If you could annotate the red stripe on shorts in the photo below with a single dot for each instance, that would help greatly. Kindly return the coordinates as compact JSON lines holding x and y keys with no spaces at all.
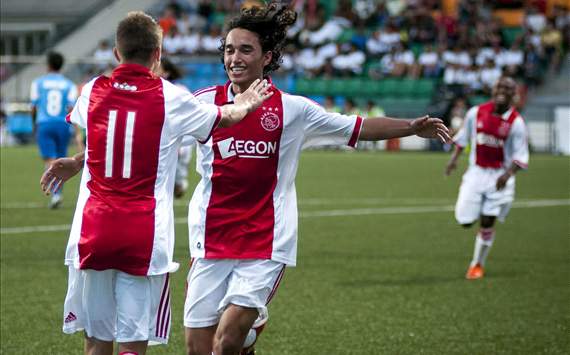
{"x":165,"y":294}
{"x":276,"y":285}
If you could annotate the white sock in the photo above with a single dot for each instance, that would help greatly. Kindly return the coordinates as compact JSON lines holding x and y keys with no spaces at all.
{"x":483,"y":243}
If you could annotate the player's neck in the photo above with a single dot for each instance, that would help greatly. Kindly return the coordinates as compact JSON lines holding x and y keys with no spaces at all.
{"x":501,"y":109}
{"x":239,"y":88}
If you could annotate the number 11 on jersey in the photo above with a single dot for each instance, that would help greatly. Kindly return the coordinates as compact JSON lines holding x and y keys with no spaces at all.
{"x":111,"y":140}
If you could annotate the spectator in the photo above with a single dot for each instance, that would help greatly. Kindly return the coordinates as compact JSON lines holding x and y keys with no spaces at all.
{"x":211,"y":41}
{"x":403,"y":61}
{"x":535,"y":20}
{"x":513,"y":60}
{"x":328,"y":51}
{"x":457,"y":56}
{"x":103,"y":55}
{"x":329,"y":31}
{"x":452,"y":74}
{"x":532,"y":65}
{"x":471,"y":78}
{"x":168,"y":19}
{"x":387,"y":63}
{"x":552,"y":45}
{"x":309,"y":62}
{"x":490,"y":73}
{"x":429,"y":62}
{"x":191,"y":41}
{"x":376,"y":46}
{"x":172,"y":43}
{"x":349,"y":61}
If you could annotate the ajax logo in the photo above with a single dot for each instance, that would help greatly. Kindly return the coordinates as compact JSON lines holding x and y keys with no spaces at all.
{"x":269,"y":121}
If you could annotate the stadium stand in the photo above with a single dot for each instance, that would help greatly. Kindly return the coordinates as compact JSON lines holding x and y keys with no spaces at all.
{"x":409,"y":57}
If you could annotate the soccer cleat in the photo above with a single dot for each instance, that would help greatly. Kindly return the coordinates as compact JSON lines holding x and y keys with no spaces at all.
{"x":474,"y":272}
{"x":55,"y":202}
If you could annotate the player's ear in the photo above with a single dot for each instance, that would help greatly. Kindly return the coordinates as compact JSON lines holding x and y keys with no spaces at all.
{"x":156,"y":56}
{"x":116,"y":54}
{"x":267,"y":57}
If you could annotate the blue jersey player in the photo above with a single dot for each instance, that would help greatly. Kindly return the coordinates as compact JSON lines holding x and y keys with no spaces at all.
{"x":52,"y":95}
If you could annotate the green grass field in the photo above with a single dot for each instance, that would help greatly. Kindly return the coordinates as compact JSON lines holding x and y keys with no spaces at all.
{"x":380,"y":263}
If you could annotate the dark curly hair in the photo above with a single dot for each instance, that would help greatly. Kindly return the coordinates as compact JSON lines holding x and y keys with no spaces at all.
{"x":270,"y":23}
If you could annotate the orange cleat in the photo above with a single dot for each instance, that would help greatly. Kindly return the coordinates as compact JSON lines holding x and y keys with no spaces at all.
{"x":474,"y":272}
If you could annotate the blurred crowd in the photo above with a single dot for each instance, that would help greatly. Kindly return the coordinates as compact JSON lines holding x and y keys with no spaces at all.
{"x":391,"y":38}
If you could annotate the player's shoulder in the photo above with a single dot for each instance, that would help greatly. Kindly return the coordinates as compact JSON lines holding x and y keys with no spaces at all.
{"x":518,"y":121}
{"x":299,"y":102}
{"x":207,"y":94}
{"x":472,"y":112}
{"x":88,"y":86}
{"x":173,"y":91}
{"x":39,"y":79}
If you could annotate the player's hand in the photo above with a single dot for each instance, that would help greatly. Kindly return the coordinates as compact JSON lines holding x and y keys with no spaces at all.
{"x":431,"y":127}
{"x":502,"y":181}
{"x":59,"y":171}
{"x":450,"y":167}
{"x":254,"y":96}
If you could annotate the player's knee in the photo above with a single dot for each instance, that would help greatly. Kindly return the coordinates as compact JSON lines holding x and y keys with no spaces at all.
{"x":466,"y":225}
{"x":487,"y":221}
{"x":227,"y":343}
{"x":195,"y":348}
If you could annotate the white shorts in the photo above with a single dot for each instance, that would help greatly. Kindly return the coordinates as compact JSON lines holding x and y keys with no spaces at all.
{"x":111,"y":305}
{"x":213,"y":284}
{"x":478,"y":195}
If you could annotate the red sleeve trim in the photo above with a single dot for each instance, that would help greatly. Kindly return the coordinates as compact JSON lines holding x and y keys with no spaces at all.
{"x":521,"y":164}
{"x":68,"y":118}
{"x":356,"y":133}
{"x":216,"y":123}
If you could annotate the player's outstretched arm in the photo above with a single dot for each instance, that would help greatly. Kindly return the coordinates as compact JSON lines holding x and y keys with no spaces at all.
{"x":378,"y":128}
{"x":78,"y":137}
{"x":59,"y":171}
{"x":452,"y":164}
{"x":245,"y":103}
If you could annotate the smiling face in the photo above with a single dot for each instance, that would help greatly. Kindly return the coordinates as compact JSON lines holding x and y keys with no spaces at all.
{"x":244,"y":59}
{"x":503,"y":94}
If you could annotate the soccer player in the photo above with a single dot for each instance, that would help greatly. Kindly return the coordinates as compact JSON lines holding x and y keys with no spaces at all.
{"x":52,"y":96}
{"x":499,"y":149}
{"x":120,"y":250}
{"x":243,"y":214}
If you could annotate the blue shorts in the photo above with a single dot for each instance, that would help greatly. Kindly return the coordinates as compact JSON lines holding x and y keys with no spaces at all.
{"x":53,"y":139}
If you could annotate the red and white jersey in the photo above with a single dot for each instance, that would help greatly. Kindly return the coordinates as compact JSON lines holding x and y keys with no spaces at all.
{"x":245,"y":206}
{"x":124,"y":217}
{"x":497,"y":141}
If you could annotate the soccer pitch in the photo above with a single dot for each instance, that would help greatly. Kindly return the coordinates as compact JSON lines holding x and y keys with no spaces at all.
{"x":380,"y":262}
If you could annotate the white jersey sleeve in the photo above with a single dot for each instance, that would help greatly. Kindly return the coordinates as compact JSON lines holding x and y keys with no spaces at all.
{"x":466,"y":132}
{"x":516,"y":146}
{"x":78,"y":115}
{"x":206,"y":96}
{"x":328,"y":128}
{"x":188,"y":115}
